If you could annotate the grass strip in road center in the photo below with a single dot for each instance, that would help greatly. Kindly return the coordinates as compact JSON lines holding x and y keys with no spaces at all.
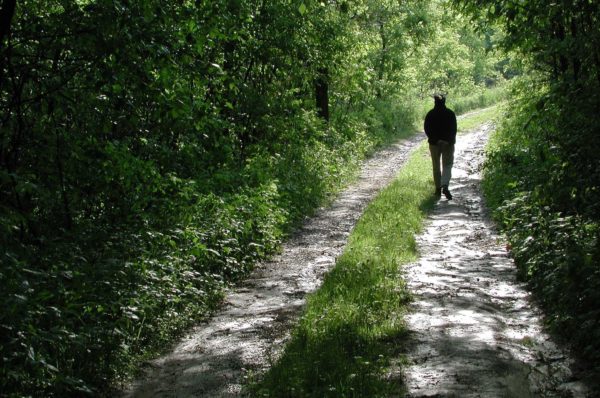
{"x":353,"y":324}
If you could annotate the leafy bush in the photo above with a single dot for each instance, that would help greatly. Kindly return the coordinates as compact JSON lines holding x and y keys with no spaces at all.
{"x":480,"y":99}
{"x":541,"y":177}
{"x":125,"y":290}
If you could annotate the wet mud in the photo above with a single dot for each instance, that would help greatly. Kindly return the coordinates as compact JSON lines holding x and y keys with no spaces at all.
{"x":475,"y":331}
{"x":249,"y":333}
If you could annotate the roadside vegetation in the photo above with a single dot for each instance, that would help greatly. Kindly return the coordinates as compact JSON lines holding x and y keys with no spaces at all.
{"x":152,"y":152}
{"x":472,"y":120}
{"x":474,"y":101}
{"x":353,"y":324}
{"x":542,"y":174}
{"x":541,"y":179}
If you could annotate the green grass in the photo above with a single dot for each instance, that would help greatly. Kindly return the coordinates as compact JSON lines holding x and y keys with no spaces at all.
{"x":475,"y":119}
{"x":353,"y":325}
{"x":479,"y":99}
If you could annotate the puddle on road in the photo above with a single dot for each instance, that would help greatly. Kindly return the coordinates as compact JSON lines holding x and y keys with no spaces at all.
{"x":474,"y":329}
{"x":250,"y":331}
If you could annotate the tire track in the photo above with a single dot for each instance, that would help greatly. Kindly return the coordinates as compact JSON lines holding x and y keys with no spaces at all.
{"x":475,"y":331}
{"x":250,"y":331}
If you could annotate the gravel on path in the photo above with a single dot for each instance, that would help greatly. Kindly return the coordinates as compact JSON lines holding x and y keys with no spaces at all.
{"x":250,"y":331}
{"x":475,"y":331}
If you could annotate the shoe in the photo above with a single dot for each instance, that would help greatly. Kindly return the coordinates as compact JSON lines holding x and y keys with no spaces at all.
{"x":438,"y":192}
{"x":446,"y":192}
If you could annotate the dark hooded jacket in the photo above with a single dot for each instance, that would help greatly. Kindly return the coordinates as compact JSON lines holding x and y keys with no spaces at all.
{"x":440,"y":123}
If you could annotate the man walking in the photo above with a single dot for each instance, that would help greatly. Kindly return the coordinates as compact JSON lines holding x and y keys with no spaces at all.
{"x":440,"y":128}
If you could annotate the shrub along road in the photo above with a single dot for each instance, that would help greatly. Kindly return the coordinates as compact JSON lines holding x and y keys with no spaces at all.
{"x":474,"y":330}
{"x":257,"y":317}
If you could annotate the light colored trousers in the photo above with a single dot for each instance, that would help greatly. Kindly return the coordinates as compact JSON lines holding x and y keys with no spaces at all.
{"x":443,"y":151}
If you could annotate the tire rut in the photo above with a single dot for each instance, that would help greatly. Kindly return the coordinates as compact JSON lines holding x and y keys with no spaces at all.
{"x":475,"y":332}
{"x":250,"y":330}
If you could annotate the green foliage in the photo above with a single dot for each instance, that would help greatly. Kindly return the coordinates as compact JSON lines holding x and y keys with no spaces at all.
{"x":353,"y":323}
{"x":543,"y":173}
{"x":102,"y":305}
{"x":541,"y":176}
{"x":457,"y":61}
{"x":558,"y":39}
{"x":477,"y":118}
{"x":152,"y":152}
{"x":478,"y":99}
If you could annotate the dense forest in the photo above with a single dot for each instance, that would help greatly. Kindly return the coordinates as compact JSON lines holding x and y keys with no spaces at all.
{"x":151,"y":153}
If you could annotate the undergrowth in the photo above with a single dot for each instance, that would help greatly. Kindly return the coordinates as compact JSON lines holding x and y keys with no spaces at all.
{"x":479,"y":99}
{"x":482,"y":98}
{"x":472,"y":120}
{"x":542,"y":178}
{"x":84,"y":306}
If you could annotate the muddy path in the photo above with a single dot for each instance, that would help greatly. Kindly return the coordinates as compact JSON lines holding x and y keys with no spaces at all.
{"x":254,"y":323}
{"x":474,"y":329}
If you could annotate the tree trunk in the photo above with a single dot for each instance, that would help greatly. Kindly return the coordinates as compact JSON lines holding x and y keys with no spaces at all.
{"x":322,"y":93}
{"x":6,"y":13}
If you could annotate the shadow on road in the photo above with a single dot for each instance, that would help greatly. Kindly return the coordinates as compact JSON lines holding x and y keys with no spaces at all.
{"x":474,"y":330}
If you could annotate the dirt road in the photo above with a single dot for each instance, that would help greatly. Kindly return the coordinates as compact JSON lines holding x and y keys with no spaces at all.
{"x":475,"y":330}
{"x":250,"y":331}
